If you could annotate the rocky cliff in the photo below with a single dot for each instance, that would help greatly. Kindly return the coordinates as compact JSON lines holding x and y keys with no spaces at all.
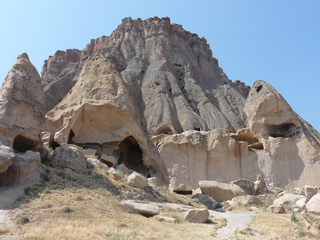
{"x":152,"y":97}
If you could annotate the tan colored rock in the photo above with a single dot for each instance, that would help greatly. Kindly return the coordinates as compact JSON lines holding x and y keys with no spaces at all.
{"x":122,"y":168}
{"x":248,"y":200}
{"x":137,"y":180}
{"x":21,"y":115}
{"x":197,"y":215}
{"x":220,"y":191}
{"x":164,"y":218}
{"x":287,"y":198}
{"x":312,"y":223}
{"x":246,"y":185}
{"x":114,"y":175}
{"x":89,"y":152}
{"x":145,"y":209}
{"x":314,"y":204}
{"x":69,"y":156}
{"x":300,"y":204}
{"x":310,"y":191}
{"x":298,"y":191}
{"x":24,"y":165}
{"x":109,"y":160}
{"x":260,"y":185}
{"x":277,"y":209}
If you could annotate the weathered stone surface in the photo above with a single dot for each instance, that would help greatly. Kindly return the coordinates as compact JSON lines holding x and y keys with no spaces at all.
{"x":287,"y":198}
{"x":310,"y":191}
{"x":277,"y":209}
{"x":122,"y":168}
{"x":205,"y":200}
{"x":21,"y":113}
{"x":152,"y":181}
{"x":313,"y":223}
{"x":248,"y":200}
{"x":300,"y":204}
{"x":314,"y":204}
{"x":114,"y":175}
{"x":109,"y":160}
{"x":69,"y":156}
{"x":260,"y":185}
{"x":298,"y":191}
{"x":246,"y":185}
{"x":220,"y":191}
{"x":164,"y":218}
{"x":145,"y":209}
{"x":197,"y":215}
{"x":137,"y":180}
{"x":24,"y":164}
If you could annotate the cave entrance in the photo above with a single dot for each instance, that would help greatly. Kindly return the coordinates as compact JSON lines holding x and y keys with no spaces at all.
{"x":71,"y":135}
{"x":23,"y":144}
{"x":131,"y":155}
{"x":285,"y":130}
{"x":183,"y":192}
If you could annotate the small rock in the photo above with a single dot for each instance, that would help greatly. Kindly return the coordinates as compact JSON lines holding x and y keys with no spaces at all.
{"x":248,"y":199}
{"x":287,"y":198}
{"x":145,"y":209}
{"x":246,"y":230}
{"x":110,"y":161}
{"x":205,"y":200}
{"x":164,"y":218}
{"x":298,"y":191}
{"x":254,"y":209}
{"x":137,"y":180}
{"x":277,"y":209}
{"x":114,"y":175}
{"x":122,"y":168}
{"x":310,"y":191}
{"x":197,"y":215}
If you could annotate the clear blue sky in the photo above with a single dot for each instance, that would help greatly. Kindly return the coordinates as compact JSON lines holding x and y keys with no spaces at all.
{"x":276,"y":41}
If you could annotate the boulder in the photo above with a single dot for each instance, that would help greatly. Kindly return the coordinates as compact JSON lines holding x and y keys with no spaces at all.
{"x":220,"y":191}
{"x":145,"y":209}
{"x":287,"y":198}
{"x":122,"y":168}
{"x":246,"y":185}
{"x":277,"y":209}
{"x":205,"y":200}
{"x":248,"y":200}
{"x":260,"y":185}
{"x":197,"y":215}
{"x":246,"y":230}
{"x":300,"y":204}
{"x":69,"y":156}
{"x":312,"y":223}
{"x":298,"y":191}
{"x":310,"y":191}
{"x":137,"y":180}
{"x":114,"y":174}
{"x":23,"y":165}
{"x":314,"y":204}
{"x":109,"y":160}
{"x":89,"y":152}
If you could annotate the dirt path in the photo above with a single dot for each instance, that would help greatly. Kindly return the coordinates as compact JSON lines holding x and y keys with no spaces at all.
{"x":234,"y":221}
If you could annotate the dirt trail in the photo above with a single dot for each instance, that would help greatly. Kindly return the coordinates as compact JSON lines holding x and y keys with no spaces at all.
{"x":234,"y":221}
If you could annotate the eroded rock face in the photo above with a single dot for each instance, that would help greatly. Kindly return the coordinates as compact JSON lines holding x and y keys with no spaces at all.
{"x":21,"y":114}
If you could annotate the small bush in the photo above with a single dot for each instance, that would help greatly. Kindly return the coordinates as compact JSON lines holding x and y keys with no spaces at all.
{"x":67,"y":209}
{"x":27,"y":190}
{"x":23,"y":220}
{"x":130,"y":209}
{"x":79,"y":198}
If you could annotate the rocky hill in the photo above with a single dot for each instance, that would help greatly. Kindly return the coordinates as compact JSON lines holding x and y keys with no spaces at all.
{"x":152,"y":97}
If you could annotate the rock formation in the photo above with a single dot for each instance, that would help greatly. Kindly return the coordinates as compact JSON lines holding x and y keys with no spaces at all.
{"x":152,"y":97}
{"x":21,"y":121}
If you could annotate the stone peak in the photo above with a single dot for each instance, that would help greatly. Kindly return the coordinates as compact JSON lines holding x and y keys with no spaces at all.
{"x":23,"y":56}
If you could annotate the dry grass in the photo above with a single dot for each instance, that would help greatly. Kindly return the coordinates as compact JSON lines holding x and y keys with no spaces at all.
{"x":96,"y":211}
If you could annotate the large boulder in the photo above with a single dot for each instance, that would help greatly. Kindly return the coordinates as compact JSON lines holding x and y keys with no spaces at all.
{"x":312,"y":215}
{"x":246,"y":185}
{"x":248,"y":200}
{"x":21,"y":114}
{"x":205,"y":200}
{"x":310,"y":191}
{"x":69,"y":156}
{"x":197,"y":215}
{"x":287,"y":198}
{"x":220,"y":191}
{"x":24,"y":165}
{"x":137,"y":180}
{"x":145,"y":209}
{"x":314,"y":204}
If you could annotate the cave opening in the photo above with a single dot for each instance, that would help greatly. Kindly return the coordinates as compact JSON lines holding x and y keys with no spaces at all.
{"x":23,"y":144}
{"x":285,"y":130}
{"x":164,"y":130}
{"x":183,"y":192}
{"x":131,"y":156}
{"x":71,"y":135}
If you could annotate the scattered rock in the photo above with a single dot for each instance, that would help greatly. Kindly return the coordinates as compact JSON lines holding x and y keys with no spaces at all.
{"x":232,"y":203}
{"x":314,"y":204}
{"x":220,"y":191}
{"x":122,"y":168}
{"x":69,"y":156}
{"x":287,"y":198}
{"x":137,"y":180}
{"x":310,"y":191}
{"x":108,"y":160}
{"x":89,"y":152}
{"x":114,"y":175}
{"x":253,"y":209}
{"x":153,"y":181}
{"x":298,"y":191}
{"x":197,"y":215}
{"x":277,"y":209}
{"x":260,"y":185}
{"x":300,"y":204}
{"x":246,"y":231}
{"x":246,"y":185}
{"x":145,"y":209}
{"x":205,"y":200}
{"x":164,"y":218}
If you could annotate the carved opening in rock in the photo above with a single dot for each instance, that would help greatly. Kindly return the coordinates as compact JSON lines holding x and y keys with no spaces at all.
{"x":257,"y":145}
{"x":183,"y":192}
{"x":23,"y":144}
{"x":259,"y":88}
{"x":245,"y":138}
{"x":131,"y":155}
{"x":71,"y":135}
{"x":54,"y":144}
{"x":285,"y":130}
{"x":196,"y":127}
{"x":164,"y":130}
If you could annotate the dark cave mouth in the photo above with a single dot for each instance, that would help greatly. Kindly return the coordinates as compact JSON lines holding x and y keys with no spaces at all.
{"x":285,"y":130}
{"x":23,"y":144}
